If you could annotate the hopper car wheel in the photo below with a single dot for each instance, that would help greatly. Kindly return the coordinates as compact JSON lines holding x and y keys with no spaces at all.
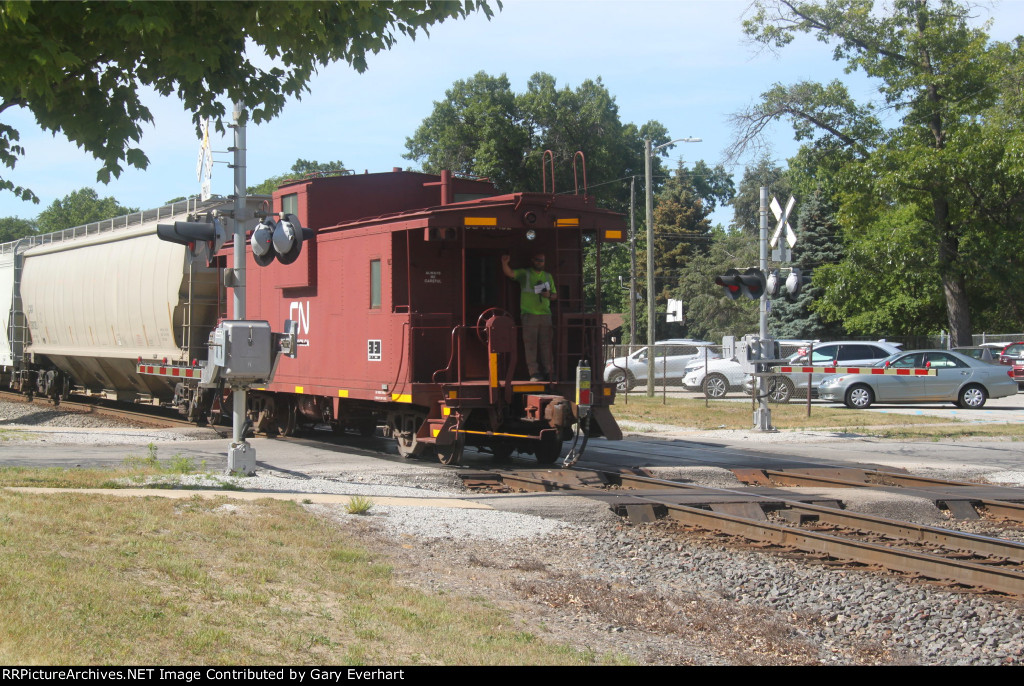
{"x":548,"y":449}
{"x":451,"y":454}
{"x":486,"y":316}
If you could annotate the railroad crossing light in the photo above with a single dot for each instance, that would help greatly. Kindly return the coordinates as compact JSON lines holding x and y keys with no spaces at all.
{"x":191,"y":232}
{"x":752,"y":283}
{"x":730,"y":281}
{"x":772,"y":283}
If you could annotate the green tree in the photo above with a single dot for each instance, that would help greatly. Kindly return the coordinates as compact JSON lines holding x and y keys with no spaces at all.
{"x":939,"y":181}
{"x":78,"y":66}
{"x":13,"y":228}
{"x":747,"y":202}
{"x":484,"y":129}
{"x":80,"y":207}
{"x":710,"y":314}
{"x":301,"y":168}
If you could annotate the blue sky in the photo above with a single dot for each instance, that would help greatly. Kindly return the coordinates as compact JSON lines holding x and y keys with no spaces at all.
{"x":684,"y":63}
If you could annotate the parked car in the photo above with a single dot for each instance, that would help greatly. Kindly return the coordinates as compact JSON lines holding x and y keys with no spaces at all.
{"x":782,"y":387}
{"x":670,"y":359}
{"x":716,"y":380}
{"x":959,"y":379}
{"x":1017,"y":372}
{"x":1012,"y":353}
{"x":981,"y":353}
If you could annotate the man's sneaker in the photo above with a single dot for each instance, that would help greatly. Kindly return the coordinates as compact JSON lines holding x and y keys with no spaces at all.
{"x":537,"y":377}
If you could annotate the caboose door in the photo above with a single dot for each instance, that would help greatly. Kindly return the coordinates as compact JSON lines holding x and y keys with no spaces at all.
{"x":485,"y":288}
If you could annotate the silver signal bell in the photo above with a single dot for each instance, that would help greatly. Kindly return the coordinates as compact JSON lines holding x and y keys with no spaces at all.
{"x":262,"y":242}
{"x":288,"y":239}
{"x":282,"y":239}
{"x":793,"y":282}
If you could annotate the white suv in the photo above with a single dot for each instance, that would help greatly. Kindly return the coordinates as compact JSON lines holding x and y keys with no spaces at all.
{"x":670,"y":358}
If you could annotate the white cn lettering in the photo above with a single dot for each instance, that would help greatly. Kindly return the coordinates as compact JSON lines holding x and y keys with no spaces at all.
{"x":302,"y":318}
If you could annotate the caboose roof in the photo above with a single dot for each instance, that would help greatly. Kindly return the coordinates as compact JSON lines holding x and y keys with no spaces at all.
{"x":513,"y":209}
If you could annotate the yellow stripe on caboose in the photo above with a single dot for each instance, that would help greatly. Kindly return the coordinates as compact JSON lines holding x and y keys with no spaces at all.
{"x":494,"y":369}
{"x":567,"y":222}
{"x":480,"y":221}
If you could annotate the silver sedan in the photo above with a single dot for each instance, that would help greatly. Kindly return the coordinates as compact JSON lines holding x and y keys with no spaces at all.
{"x":957,"y":378}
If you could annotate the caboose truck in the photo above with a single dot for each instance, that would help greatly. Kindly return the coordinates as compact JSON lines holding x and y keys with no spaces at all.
{"x":405,"y":316}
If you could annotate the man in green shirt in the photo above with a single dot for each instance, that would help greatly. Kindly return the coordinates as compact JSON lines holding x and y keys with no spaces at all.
{"x":537,"y":290}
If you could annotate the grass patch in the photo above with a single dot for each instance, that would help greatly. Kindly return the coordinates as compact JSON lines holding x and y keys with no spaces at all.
{"x":104,"y":580}
{"x":1013,"y":432}
{"x":136,"y":471}
{"x":690,"y":413}
{"x":358,"y":505}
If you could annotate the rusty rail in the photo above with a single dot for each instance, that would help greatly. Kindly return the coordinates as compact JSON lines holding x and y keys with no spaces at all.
{"x":1001,"y":567}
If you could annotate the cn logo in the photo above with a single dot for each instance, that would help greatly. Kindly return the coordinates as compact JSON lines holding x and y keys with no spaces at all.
{"x":298,"y":313}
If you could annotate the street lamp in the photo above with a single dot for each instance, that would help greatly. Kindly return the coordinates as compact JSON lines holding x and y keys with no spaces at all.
{"x":648,"y":151}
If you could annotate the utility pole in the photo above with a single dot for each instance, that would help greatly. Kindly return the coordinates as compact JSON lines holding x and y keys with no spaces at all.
{"x":241,"y":455}
{"x":632,"y":262}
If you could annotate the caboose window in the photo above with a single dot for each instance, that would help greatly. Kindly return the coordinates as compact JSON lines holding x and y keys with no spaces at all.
{"x":374,"y":284}
{"x":290,"y":204}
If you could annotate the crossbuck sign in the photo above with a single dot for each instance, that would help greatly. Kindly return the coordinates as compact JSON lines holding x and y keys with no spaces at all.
{"x":780,"y":253}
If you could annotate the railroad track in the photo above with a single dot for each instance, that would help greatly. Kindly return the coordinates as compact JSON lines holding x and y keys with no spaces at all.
{"x":101,"y":407}
{"x":811,"y":524}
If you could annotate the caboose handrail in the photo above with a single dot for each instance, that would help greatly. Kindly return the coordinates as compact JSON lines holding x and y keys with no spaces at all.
{"x":451,"y":356}
{"x":543,"y":172}
{"x":583,"y":159}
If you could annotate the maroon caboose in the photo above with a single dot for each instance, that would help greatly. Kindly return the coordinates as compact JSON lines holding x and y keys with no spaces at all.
{"x":406,"y":318}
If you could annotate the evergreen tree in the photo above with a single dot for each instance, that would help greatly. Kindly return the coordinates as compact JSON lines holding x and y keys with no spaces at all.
{"x":682,"y":230}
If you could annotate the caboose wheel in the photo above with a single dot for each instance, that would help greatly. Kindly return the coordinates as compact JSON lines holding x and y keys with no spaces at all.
{"x":367,"y":427}
{"x":286,"y":419}
{"x":404,"y":427}
{"x":486,"y":316}
{"x":502,"y":451}
{"x":548,"y":449}
{"x":450,"y":454}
